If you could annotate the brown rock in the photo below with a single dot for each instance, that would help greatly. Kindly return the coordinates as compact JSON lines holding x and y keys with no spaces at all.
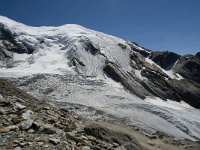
{"x":13,"y":128}
{"x":15,"y":141}
{"x":85,"y":148}
{"x":1,"y":111}
{"x":4,"y":130}
{"x":17,"y":119}
{"x":12,"y":146}
{"x":47,"y":129}
{"x":9,"y":111}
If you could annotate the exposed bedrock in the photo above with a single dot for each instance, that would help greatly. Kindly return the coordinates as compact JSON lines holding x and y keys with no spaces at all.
{"x":189,"y":67}
{"x":126,"y":79}
{"x":166,"y":60}
{"x":8,"y":41}
{"x":156,"y":83}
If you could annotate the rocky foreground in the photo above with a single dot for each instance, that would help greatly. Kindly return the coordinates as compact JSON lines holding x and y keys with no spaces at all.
{"x":26,"y":123}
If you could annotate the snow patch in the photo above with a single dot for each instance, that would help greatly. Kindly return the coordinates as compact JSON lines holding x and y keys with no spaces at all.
{"x":113,"y":83}
{"x":169,"y":103}
{"x":138,"y":74}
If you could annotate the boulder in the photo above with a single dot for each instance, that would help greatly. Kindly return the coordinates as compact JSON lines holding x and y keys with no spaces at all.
{"x":47,"y":129}
{"x":19,"y":107}
{"x":26,"y":124}
{"x":54,"y":141}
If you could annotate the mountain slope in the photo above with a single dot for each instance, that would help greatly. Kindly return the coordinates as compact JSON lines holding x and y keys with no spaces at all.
{"x":74,"y":67}
{"x":31,"y":124}
{"x":26,"y":123}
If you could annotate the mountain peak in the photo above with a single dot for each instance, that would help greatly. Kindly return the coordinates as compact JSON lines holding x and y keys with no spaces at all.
{"x":72,"y":64}
{"x":60,"y":43}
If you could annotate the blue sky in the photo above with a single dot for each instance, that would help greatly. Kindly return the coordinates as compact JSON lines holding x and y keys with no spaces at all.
{"x":155,"y":24}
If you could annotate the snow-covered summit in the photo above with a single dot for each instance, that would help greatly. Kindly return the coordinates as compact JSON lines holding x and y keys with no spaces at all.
{"x":20,"y":28}
{"x":55,"y":47}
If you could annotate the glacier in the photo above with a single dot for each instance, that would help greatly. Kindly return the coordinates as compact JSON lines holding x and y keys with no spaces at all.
{"x":48,"y":74}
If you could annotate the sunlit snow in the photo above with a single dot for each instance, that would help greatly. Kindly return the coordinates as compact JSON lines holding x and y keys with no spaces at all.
{"x":54,"y":47}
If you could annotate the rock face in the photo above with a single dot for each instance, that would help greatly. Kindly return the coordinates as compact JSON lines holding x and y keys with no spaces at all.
{"x":189,"y":67}
{"x":9,"y":45}
{"x":166,"y":60}
{"x":125,"y":78}
{"x":159,"y":83}
{"x":8,"y":42}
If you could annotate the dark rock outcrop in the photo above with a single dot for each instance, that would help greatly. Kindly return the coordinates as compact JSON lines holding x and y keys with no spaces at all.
{"x":156,"y":82}
{"x":164,"y":59}
{"x":145,"y":52}
{"x":122,"y":45}
{"x":125,"y":78}
{"x":189,"y":67}
{"x":159,"y":86}
{"x":89,"y":47}
{"x":198,"y":54}
{"x":9,"y":46}
{"x":9,"y":43}
{"x":188,"y":91}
